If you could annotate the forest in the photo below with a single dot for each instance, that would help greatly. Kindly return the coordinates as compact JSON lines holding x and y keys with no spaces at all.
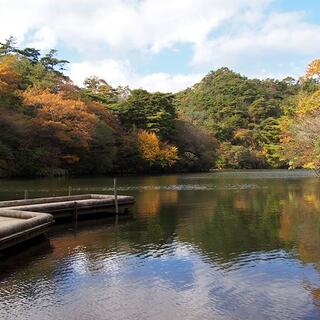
{"x":51,"y":127}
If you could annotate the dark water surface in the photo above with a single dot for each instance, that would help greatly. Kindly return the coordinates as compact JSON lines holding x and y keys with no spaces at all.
{"x":229,"y":245}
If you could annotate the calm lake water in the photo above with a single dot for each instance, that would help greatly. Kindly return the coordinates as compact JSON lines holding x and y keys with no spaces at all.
{"x":227,"y":245}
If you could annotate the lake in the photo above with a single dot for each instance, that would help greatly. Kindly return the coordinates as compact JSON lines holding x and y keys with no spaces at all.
{"x":222,"y":245}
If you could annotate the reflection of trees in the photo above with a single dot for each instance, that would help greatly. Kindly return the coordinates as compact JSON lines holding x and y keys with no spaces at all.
{"x":22,"y":256}
{"x":232,"y":222}
{"x":239,"y":223}
{"x":300,"y":221}
{"x":300,"y":224}
{"x":150,"y":201}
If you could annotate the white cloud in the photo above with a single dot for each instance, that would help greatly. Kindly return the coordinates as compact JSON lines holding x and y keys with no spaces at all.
{"x":113,"y":71}
{"x":275,"y":35}
{"x":242,"y":34}
{"x":43,"y":39}
{"x":117,"y":73}
{"x":119,"y":24}
{"x":169,"y":83}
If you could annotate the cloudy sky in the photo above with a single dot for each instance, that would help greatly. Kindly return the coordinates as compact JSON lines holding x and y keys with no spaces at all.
{"x":168,"y":45}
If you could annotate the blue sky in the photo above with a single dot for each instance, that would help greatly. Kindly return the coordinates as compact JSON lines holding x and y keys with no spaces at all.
{"x":168,"y":45}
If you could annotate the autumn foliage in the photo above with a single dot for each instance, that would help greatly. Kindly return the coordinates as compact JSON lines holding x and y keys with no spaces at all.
{"x":51,"y":127}
{"x":301,"y":130}
{"x":68,"y":120}
{"x":313,"y":69}
{"x":155,"y":153}
{"x":9,"y":78}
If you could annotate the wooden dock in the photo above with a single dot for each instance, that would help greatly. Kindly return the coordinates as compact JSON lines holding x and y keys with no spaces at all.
{"x":21,"y":220}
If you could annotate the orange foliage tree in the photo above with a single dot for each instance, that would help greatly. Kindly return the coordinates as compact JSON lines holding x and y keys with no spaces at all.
{"x":65,"y":122}
{"x":9,"y":78}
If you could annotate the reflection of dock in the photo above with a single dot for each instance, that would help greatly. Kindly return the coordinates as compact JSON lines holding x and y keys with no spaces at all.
{"x":21,"y":220}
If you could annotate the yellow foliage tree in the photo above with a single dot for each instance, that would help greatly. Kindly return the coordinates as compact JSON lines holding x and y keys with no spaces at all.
{"x":154,"y":152}
{"x":313,"y":69}
{"x":301,"y":132}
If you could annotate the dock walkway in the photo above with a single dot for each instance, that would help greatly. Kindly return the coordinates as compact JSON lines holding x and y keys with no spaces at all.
{"x":21,"y":220}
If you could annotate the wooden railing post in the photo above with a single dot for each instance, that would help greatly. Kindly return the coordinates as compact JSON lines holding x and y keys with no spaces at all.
{"x":75,"y":212}
{"x":115,"y":195}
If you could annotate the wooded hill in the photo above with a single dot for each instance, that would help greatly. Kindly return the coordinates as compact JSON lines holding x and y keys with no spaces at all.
{"x":49,"y":126}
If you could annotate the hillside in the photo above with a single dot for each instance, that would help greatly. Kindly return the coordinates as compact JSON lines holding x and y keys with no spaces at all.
{"x":49,"y":126}
{"x":243,"y":114}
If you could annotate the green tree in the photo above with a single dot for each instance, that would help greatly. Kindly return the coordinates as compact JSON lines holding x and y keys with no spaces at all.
{"x":239,"y":112}
{"x":154,"y":112}
{"x":52,"y":63}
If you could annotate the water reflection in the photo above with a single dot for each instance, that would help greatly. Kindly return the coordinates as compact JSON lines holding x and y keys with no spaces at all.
{"x":236,"y":245}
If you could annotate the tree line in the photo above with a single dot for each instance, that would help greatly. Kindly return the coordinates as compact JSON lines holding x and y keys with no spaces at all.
{"x":49,"y":126}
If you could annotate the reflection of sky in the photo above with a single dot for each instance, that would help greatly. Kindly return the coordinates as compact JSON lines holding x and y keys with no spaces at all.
{"x":180,"y":283}
{"x":265,"y":289}
{"x":175,"y":272}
